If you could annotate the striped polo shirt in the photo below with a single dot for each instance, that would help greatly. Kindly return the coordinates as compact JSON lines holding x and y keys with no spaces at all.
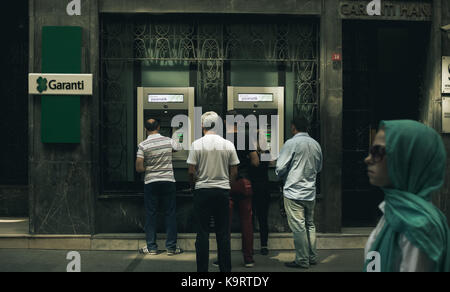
{"x":157,"y":154}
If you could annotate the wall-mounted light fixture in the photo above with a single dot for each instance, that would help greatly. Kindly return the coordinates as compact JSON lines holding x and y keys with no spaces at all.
{"x":446,"y":28}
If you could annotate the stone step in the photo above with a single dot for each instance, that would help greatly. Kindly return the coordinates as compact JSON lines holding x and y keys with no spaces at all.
{"x":129,"y":242}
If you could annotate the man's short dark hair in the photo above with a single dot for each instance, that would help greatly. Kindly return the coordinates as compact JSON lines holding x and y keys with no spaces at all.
{"x":151,"y":125}
{"x":301,"y":124}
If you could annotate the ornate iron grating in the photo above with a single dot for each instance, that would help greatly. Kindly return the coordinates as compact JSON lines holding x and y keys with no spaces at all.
{"x":208,"y":44}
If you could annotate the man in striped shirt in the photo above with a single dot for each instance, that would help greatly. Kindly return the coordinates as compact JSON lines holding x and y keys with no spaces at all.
{"x":154,"y":157}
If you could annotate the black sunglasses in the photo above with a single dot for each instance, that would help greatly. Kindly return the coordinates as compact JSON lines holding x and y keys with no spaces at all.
{"x":378,"y":152}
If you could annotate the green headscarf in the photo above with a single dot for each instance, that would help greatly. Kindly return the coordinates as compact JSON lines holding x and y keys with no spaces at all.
{"x":416,"y":161}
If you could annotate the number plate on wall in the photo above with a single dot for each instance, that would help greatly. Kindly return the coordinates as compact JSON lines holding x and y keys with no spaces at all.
{"x":445,"y":74}
{"x":446,"y":114}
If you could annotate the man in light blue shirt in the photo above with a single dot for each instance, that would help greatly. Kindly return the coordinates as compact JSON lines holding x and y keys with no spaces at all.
{"x":299,"y":163}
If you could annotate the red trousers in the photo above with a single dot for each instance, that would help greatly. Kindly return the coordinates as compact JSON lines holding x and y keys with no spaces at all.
{"x":244,"y":203}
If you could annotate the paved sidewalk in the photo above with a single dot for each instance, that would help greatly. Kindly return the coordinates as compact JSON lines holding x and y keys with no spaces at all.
{"x":12,"y":260}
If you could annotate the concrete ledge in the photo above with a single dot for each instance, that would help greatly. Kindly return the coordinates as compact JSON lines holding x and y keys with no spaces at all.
{"x":72,"y":243}
{"x":131,"y":242}
{"x":14,"y":243}
{"x":115,"y":244}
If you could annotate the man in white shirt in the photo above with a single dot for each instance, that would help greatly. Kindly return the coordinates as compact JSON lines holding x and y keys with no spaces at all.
{"x":154,"y":157}
{"x":213,"y":165}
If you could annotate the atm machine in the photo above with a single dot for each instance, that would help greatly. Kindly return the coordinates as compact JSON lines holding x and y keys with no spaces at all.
{"x":171,"y":106}
{"x":259,"y":101}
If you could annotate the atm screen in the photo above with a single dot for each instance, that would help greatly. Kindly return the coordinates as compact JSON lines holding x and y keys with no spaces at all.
{"x":256,"y":97}
{"x":165,"y":98}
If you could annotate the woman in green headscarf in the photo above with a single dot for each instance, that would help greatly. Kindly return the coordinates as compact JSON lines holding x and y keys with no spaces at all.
{"x":407,"y":160}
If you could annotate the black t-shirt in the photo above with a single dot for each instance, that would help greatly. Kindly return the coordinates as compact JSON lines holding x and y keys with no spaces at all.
{"x":244,"y":156}
{"x":260,"y":173}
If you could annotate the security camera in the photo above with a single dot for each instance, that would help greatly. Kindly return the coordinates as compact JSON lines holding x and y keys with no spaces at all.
{"x":446,"y":28}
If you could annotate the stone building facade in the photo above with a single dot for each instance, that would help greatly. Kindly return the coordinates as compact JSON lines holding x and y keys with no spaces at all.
{"x":342,"y":68}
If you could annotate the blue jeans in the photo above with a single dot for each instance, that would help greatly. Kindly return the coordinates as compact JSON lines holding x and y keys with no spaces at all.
{"x":153,"y":193}
{"x":300,"y":215}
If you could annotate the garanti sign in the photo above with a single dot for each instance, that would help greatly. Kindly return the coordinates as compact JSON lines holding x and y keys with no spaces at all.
{"x":60,"y":84}
{"x":387,"y":10}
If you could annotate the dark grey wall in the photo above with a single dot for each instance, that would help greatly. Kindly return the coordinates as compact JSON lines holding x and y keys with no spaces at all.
{"x":431,"y":105}
{"x":61,"y":181}
{"x":444,"y":198}
{"x":303,"y":7}
{"x":13,"y":201}
{"x":126,"y":215}
{"x":331,"y":117}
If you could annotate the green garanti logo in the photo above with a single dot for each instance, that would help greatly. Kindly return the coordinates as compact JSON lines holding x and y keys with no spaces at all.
{"x":42,"y":84}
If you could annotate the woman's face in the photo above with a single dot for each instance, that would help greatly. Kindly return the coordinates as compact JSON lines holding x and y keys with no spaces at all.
{"x":377,"y":169}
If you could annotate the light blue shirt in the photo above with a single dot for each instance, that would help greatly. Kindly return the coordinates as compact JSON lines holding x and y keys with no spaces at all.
{"x":299,"y":163}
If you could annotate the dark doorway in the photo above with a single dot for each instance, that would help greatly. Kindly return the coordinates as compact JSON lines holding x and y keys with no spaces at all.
{"x":383,"y":67}
{"x":14,"y":115}
{"x":14,"y":84}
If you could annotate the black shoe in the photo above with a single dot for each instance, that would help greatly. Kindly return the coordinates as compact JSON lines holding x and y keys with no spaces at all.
{"x":295,"y":265}
{"x":216,"y":263}
{"x":264,"y":251}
